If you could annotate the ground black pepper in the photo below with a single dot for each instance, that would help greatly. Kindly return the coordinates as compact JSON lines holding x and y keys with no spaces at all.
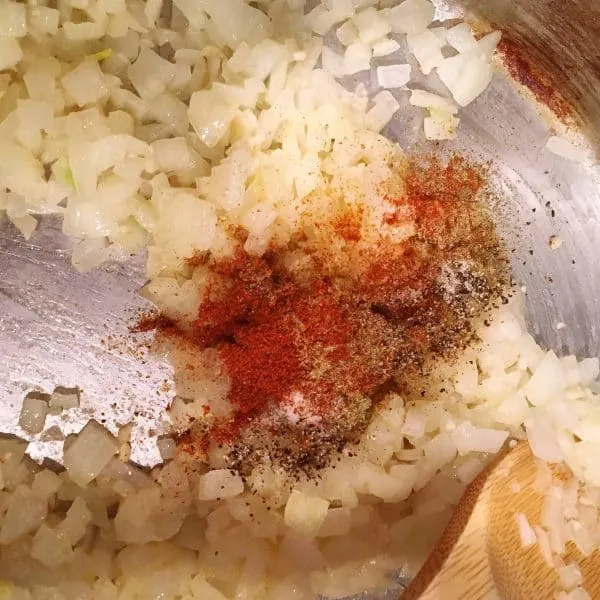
{"x":311,"y":354}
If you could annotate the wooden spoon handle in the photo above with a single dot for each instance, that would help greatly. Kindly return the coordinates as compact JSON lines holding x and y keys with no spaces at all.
{"x":458,"y":567}
{"x":480,"y":555}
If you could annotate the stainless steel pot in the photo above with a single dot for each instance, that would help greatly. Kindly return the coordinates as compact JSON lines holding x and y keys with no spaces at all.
{"x":60,"y":327}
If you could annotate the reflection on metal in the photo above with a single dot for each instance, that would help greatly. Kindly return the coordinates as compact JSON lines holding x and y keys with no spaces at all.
{"x":63,"y":328}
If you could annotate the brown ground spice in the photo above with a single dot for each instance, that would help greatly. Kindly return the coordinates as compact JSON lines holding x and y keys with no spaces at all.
{"x":347,"y":329}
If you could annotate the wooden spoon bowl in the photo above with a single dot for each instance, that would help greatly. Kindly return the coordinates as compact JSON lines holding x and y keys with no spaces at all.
{"x":480,"y":554}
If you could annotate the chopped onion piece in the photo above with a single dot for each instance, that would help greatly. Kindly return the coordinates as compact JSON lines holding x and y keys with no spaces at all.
{"x":322,"y":20}
{"x":393,"y":76}
{"x":384,"y":108}
{"x":25,"y":512}
{"x":210,"y":116}
{"x":468,"y":470}
{"x":50,"y":547}
{"x":360,"y":4}
{"x":333,"y":63}
{"x":442,"y":126}
{"x":172,"y":154}
{"x":461,"y":38}
{"x":152,"y":11}
{"x":543,"y":540}
{"x":439,"y":451}
{"x":469,"y":438}
{"x":44,"y":19}
{"x":81,"y":32}
{"x":357,"y":58}
{"x":235,"y":21}
{"x":414,"y":424}
{"x":427,"y":49}
{"x":91,"y":451}
{"x":150,"y":74}
{"x":488,"y":43}
{"x":526,"y":532}
{"x":74,"y":525}
{"x":167,"y":448}
{"x":466,"y":75}
{"x":547,"y":381}
{"x":371,"y":26}
{"x":305,"y":514}
{"x":220,"y":483}
{"x":259,"y":218}
{"x":570,"y":576}
{"x":337,"y":522}
{"x":33,"y":414}
{"x":202,"y":589}
{"x":433,"y":102}
{"x":385,"y":47}
{"x":45,"y":485}
{"x":65,"y":398}
{"x":411,"y":16}
{"x":347,"y":33}
{"x":86,"y":83}
{"x":10,"y":53}
{"x":25,"y":224}
{"x":193,"y":12}
{"x":543,"y":440}
{"x":13,"y":23}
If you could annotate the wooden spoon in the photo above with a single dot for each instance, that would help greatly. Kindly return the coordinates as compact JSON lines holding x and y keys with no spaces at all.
{"x":480,"y":555}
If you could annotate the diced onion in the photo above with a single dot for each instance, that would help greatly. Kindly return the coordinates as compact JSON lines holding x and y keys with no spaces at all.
{"x":526,"y":532}
{"x":371,"y":26}
{"x":427,"y":49}
{"x":347,"y":33}
{"x":220,"y":483}
{"x":414,"y":424}
{"x":385,"y":47}
{"x":461,"y":38}
{"x":411,"y":16}
{"x":65,"y":398}
{"x":357,"y":58}
{"x":475,"y":439}
{"x":488,"y":43}
{"x":433,"y":102}
{"x":44,"y":19}
{"x":14,"y":20}
{"x":440,"y":127}
{"x":333,"y":63}
{"x":465,"y":75}
{"x":384,"y":108}
{"x":393,"y":76}
{"x":10,"y":53}
{"x":171,"y":154}
{"x":33,"y":414}
{"x":93,"y":449}
{"x":305,"y":514}
{"x":570,"y":576}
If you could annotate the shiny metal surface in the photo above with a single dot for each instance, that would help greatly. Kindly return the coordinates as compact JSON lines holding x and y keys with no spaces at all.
{"x":559,"y":44}
{"x":60,"y":327}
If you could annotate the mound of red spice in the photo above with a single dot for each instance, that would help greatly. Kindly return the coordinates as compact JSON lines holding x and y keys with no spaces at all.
{"x":310,"y":353}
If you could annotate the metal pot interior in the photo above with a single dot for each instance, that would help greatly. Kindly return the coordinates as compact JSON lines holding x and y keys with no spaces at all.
{"x":63,"y":327}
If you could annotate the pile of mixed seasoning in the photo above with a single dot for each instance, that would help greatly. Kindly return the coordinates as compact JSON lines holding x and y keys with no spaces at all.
{"x":315,"y":333}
